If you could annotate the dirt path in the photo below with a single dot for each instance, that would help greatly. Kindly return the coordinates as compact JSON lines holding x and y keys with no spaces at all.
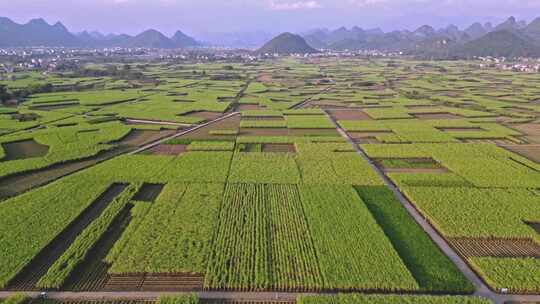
{"x":482,"y":289}
{"x":308,"y":100}
{"x":214,"y":295}
{"x":159,"y":142}
{"x":157,"y":122}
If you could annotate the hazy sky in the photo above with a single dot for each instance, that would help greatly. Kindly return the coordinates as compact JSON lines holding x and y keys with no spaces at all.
{"x":199,"y":16}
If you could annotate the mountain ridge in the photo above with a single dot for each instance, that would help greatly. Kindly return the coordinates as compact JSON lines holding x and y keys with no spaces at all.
{"x":37,"y":32}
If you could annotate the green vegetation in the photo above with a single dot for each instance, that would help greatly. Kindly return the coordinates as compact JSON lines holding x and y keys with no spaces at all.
{"x":519,"y":275}
{"x":274,"y":198}
{"x":178,"y":299}
{"x":430,"y":267}
{"x":382,"y":299}
{"x":78,"y":251}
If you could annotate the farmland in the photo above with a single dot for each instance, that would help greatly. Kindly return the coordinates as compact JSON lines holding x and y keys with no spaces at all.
{"x":288,"y":175}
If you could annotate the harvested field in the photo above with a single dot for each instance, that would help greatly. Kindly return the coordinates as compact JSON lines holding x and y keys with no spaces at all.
{"x":504,"y":248}
{"x":168,"y":149}
{"x":206,"y":115}
{"x":435,"y":116}
{"x":148,"y":192}
{"x":249,"y":107}
{"x":531,"y":152}
{"x":278,"y":148}
{"x":155,"y":282}
{"x":349,"y":115}
{"x":24,"y":149}
{"x":264,"y":132}
{"x":367,"y":137}
{"x":33,"y":271}
{"x":528,"y":129}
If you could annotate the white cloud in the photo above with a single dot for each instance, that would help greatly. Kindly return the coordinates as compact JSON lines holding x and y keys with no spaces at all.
{"x":293,"y":5}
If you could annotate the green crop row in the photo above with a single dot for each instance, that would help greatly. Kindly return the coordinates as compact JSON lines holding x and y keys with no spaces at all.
{"x":389,"y":299}
{"x":353,"y":251}
{"x":433,"y":271}
{"x":262,"y":228}
{"x":211,"y":146}
{"x":78,"y":251}
{"x":29,"y":224}
{"x":263,"y":124}
{"x":473,"y":212}
{"x":308,"y":122}
{"x":173,"y":235}
{"x":517,"y":275}
{"x":179,"y":299}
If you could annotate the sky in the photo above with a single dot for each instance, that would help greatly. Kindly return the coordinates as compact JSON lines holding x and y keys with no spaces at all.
{"x":271,"y":16}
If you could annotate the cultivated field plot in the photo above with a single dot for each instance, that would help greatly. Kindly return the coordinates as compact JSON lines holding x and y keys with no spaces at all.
{"x":257,"y":183}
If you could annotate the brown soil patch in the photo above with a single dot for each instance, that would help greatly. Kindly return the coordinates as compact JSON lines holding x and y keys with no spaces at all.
{"x":279,"y":148}
{"x":24,"y":149}
{"x":249,"y":107}
{"x":264,"y":132}
{"x":531,"y":152}
{"x":496,"y":247}
{"x":435,"y":116}
{"x":349,"y":115}
{"x":528,"y":129}
{"x":155,"y":282}
{"x":168,"y":149}
{"x":265,"y":78}
{"x":206,"y":115}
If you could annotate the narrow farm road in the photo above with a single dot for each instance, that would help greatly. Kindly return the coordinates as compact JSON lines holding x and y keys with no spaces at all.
{"x":184,"y":132}
{"x":482,"y":290}
{"x":157,"y":122}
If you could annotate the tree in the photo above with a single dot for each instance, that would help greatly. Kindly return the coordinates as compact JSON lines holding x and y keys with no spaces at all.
{"x":4,"y":95}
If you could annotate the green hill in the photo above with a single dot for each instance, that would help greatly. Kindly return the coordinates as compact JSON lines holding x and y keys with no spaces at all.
{"x":285,"y":44}
{"x":503,"y":43}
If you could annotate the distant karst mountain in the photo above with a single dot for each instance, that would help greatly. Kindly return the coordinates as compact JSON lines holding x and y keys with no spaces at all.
{"x":37,"y":32}
{"x":287,"y":43}
{"x":510,"y":38}
{"x":502,"y":43}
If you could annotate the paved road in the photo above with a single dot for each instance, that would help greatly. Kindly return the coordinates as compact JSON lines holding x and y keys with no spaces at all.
{"x":482,"y":289}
